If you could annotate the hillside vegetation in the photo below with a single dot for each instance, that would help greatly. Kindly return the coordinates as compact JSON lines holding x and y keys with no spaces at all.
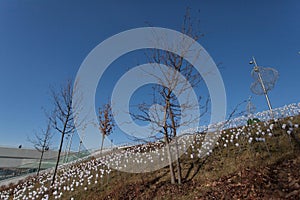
{"x":257,"y":161}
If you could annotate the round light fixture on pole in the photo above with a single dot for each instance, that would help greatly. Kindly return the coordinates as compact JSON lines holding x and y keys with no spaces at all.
{"x":265,"y":79}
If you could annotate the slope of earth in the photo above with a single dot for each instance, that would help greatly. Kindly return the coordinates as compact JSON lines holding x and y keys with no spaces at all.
{"x":262,"y":170}
{"x":258,"y":161}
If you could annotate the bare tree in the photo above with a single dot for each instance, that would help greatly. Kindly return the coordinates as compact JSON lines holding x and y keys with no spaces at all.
{"x":164,"y":94}
{"x":64,"y":115}
{"x":106,"y":122}
{"x":42,"y":143}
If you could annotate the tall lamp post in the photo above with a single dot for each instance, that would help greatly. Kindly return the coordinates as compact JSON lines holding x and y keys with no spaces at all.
{"x":257,"y":70}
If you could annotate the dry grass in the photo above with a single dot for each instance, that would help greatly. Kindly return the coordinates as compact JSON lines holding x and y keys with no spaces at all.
{"x":206,"y":177}
{"x":201,"y":172}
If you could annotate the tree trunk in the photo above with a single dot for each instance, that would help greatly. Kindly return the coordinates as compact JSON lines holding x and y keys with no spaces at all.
{"x":58,"y":157}
{"x":103,"y":136}
{"x":40,"y":162}
{"x":60,"y":147}
{"x":176,"y":147}
{"x":172,"y":173}
{"x":178,"y":163}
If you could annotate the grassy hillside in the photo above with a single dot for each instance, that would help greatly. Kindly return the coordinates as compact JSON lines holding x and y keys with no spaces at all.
{"x":259,"y":161}
{"x":249,"y":170}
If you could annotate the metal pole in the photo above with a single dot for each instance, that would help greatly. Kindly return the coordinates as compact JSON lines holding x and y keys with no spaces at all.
{"x":249,"y":106}
{"x":79,"y":148}
{"x":81,"y":140}
{"x":256,"y":69}
{"x":69,"y":149}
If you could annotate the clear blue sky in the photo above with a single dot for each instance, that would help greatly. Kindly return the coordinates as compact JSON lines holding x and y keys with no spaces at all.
{"x":43,"y":43}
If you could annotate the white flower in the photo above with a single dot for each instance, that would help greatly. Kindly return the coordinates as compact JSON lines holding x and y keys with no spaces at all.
{"x":270,"y":134}
{"x":260,"y":139}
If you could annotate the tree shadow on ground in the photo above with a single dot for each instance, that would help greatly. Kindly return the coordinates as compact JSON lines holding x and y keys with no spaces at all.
{"x":196,"y":164}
